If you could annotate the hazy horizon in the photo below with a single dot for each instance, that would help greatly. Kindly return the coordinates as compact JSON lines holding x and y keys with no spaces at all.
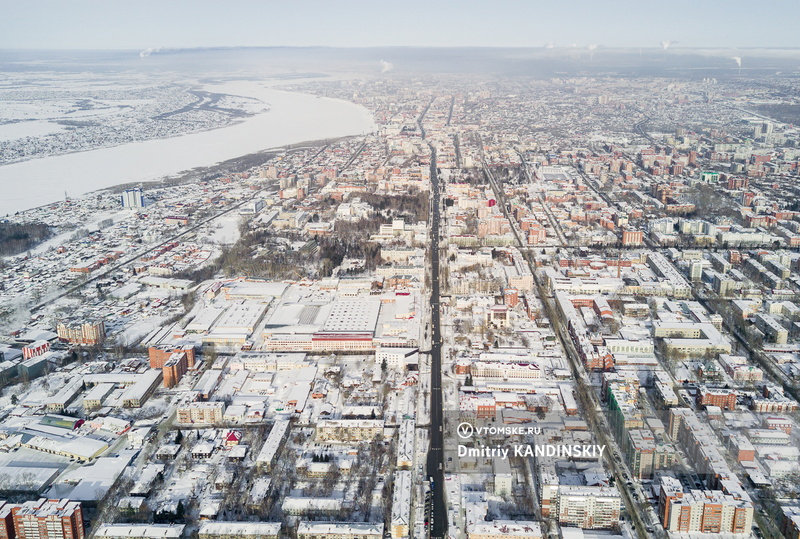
{"x":535,"y":62}
{"x":148,"y":24}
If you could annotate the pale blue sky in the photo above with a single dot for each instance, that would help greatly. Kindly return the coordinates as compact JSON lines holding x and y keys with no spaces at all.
{"x":112,"y":24}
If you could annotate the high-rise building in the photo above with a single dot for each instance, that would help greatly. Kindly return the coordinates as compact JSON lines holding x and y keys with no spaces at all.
{"x":511,"y":297}
{"x":704,"y":511}
{"x":83,"y":333}
{"x":174,"y":361}
{"x":132,"y":198}
{"x":645,"y":453}
{"x":6,"y":521}
{"x":174,"y":369}
{"x":158,"y":355}
{"x":48,"y":519}
{"x":790,"y":521}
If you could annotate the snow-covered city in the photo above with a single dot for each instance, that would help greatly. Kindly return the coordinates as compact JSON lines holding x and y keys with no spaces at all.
{"x":552,"y":302}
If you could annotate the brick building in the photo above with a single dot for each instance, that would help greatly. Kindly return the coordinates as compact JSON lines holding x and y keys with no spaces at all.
{"x":724,"y":398}
{"x":47,"y":519}
{"x":631,"y":236}
{"x":173,"y":361}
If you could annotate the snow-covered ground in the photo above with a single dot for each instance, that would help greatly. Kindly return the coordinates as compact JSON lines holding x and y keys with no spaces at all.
{"x":36,"y":128}
{"x":292,"y":118}
{"x":90,"y":225}
{"x":226,"y":229}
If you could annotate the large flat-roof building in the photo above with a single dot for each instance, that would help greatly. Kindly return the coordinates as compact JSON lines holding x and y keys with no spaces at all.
{"x":401,"y":504}
{"x":588,"y":507}
{"x":350,"y":430}
{"x":272,"y":444}
{"x":136,"y":395}
{"x":502,"y":529}
{"x":353,"y":316}
{"x":339,"y":530}
{"x":139,"y":531}
{"x":239,"y":530}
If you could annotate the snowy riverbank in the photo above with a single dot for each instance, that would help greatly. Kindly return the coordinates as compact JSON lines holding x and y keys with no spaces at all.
{"x":292,"y":118}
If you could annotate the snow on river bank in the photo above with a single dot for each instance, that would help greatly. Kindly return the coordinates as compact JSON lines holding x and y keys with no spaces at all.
{"x":292,"y":118}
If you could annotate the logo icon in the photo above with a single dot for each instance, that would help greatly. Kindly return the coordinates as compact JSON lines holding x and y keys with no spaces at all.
{"x":465,"y":430}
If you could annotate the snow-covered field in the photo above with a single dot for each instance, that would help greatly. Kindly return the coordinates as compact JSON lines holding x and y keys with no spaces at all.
{"x":292,"y":118}
{"x":36,"y":128}
{"x":226,"y":229}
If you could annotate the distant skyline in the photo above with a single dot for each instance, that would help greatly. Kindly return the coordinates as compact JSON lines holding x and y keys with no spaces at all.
{"x":95,"y":24}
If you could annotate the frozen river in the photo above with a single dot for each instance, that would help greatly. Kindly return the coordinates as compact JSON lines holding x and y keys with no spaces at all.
{"x":292,"y":118}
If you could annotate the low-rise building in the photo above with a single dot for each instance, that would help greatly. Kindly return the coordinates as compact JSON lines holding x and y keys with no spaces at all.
{"x":140,"y":531}
{"x":714,"y":396}
{"x":502,"y":529}
{"x":339,"y":530}
{"x":239,"y":530}
{"x":203,"y":413}
{"x":401,"y":504}
{"x":588,"y":507}
{"x":349,"y":430}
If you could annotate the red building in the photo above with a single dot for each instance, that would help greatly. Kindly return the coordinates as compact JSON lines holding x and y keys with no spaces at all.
{"x":511,"y":297}
{"x":159,"y":355}
{"x":778,"y":423}
{"x":632,"y":236}
{"x":738,"y":183}
{"x":724,"y":398}
{"x":35,"y":349}
{"x":537,"y":235}
{"x":233,"y":438}
{"x":174,"y":362}
{"x":462,"y":367}
{"x":45,"y":519}
{"x":174,"y":369}
{"x":6,"y":521}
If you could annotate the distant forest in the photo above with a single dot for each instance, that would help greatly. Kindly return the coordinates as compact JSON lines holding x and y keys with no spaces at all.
{"x":789,"y":114}
{"x":16,"y":238}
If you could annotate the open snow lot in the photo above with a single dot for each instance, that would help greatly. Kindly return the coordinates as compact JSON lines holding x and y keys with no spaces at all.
{"x":22,"y":129}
